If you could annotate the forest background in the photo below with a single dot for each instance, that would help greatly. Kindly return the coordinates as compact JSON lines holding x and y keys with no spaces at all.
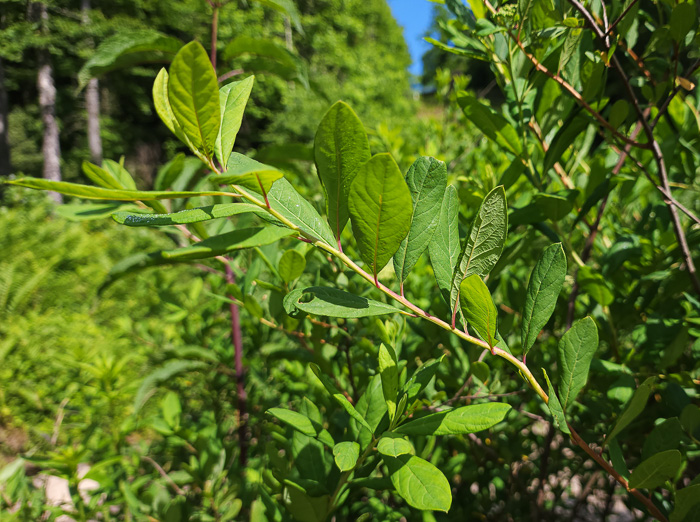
{"x":130,"y":388}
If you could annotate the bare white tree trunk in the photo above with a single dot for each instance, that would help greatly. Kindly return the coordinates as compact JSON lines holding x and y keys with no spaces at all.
{"x":92,"y":105}
{"x":47,"y":104}
{"x":5,"y":165}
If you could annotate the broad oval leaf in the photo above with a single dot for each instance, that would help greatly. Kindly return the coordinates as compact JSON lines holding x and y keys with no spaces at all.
{"x":467,"y":419}
{"x":321,"y":300}
{"x":380,"y":210}
{"x":296,"y":420}
{"x":232,"y":101}
{"x":193,"y":92}
{"x":393,"y":445}
{"x":485,"y":242}
{"x":419,"y":483}
{"x":340,"y":148}
{"x":427,"y":181}
{"x":346,"y":455}
{"x":444,"y":247}
{"x":576,"y":349}
{"x":546,"y":282}
{"x":193,"y":215}
{"x":291,"y":265}
{"x":90,"y":192}
{"x":248,"y":173}
{"x":478,"y":308}
{"x":656,"y":470}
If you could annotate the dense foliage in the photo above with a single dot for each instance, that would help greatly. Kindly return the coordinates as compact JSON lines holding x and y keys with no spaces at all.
{"x":490,"y":313}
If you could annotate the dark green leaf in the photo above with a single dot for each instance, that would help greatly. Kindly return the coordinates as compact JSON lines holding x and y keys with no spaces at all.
{"x":656,"y":470}
{"x":555,"y":407}
{"x":635,"y":407}
{"x":304,"y":507}
{"x":686,"y":501}
{"x":339,"y":397}
{"x":576,"y":349}
{"x":418,"y":382}
{"x":320,"y":300}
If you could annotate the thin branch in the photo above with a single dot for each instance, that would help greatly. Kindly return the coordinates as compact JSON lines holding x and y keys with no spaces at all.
{"x":163,"y":474}
{"x":619,"y":18}
{"x":230,"y":74}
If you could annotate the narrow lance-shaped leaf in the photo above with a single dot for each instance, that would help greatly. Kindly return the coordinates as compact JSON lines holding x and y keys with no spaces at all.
{"x":339,"y":397}
{"x":460,"y":421}
{"x":389,"y":372}
{"x":340,"y":148}
{"x":193,"y":92}
{"x":555,"y":406}
{"x":161,"y":102}
{"x":380,"y":210}
{"x":635,"y":406}
{"x":485,"y":242}
{"x":478,"y":308}
{"x":232,"y":99}
{"x":319,"y":300}
{"x":576,"y":349}
{"x":419,"y":483}
{"x":444,"y":247}
{"x":193,"y":215}
{"x":90,"y":192}
{"x":427,"y":181}
{"x":546,"y":282}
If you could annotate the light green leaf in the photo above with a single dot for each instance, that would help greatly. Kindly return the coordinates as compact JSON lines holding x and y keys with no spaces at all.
{"x":265,"y":55}
{"x":372,"y":408}
{"x":444,"y":247}
{"x":90,"y":192}
{"x":419,"y":380}
{"x":546,"y":281}
{"x":576,"y":349}
{"x":594,"y":285}
{"x":165,"y":111}
{"x":193,"y":215}
{"x":320,"y":300}
{"x":102,"y":177}
{"x":284,"y":199}
{"x":478,"y":308}
{"x":636,"y":406}
{"x":232,"y":99}
{"x":393,"y":445}
{"x":493,"y":125}
{"x":656,"y":470}
{"x":291,"y":265}
{"x":485,"y":242}
{"x":296,"y":420}
{"x":339,"y":397}
{"x":164,"y":373}
{"x":340,"y":148}
{"x":91,"y":211}
{"x":555,"y":407}
{"x":346,"y":455}
{"x":248,"y":173}
{"x":427,"y":181}
{"x":467,"y":419}
{"x":389,"y":371}
{"x":686,"y":500}
{"x":380,"y":210}
{"x":419,"y":483}
{"x":119,"y":173}
{"x":126,"y":49}
{"x":193,"y":92}
{"x":288,"y":8}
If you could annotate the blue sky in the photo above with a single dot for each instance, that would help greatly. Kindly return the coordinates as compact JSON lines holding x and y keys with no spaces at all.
{"x":414,"y":16}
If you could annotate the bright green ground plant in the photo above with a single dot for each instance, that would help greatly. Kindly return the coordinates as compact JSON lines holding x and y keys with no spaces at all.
{"x":379,"y":436}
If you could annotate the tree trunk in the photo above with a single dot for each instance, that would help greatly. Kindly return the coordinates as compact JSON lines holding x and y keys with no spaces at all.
{"x":47,"y":104}
{"x":92,"y":105}
{"x":5,"y":165}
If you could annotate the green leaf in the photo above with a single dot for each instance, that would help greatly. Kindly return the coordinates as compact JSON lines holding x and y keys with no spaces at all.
{"x":288,"y":8}
{"x":444,"y":247}
{"x":478,"y":308}
{"x":126,"y":49}
{"x":427,"y":181}
{"x":90,"y":192}
{"x":284,"y":199}
{"x":485,"y":242}
{"x":656,"y":470}
{"x":90,"y":211}
{"x":339,"y":397}
{"x":296,"y":420}
{"x":210,"y":247}
{"x":636,"y":406}
{"x":291,"y":265}
{"x":248,"y":173}
{"x":193,"y":92}
{"x":102,"y":177}
{"x":574,"y":125}
{"x":419,"y":380}
{"x":393,"y":445}
{"x":321,"y":300}
{"x":266,"y":55}
{"x":576,"y":349}
{"x":467,"y":419}
{"x":162,"y":374}
{"x":666,"y":435}
{"x":165,"y":111}
{"x":686,"y":501}
{"x":304,"y":507}
{"x":340,"y":148}
{"x":419,"y":483}
{"x":380,"y":210}
{"x":493,"y":125}
{"x":183,"y":217}
{"x":372,"y":408}
{"x":683,"y":17}
{"x":232,"y":101}
{"x":346,"y":455}
{"x":555,"y":407}
{"x":594,"y":285}
{"x":546,"y":282}
{"x":389,"y":371}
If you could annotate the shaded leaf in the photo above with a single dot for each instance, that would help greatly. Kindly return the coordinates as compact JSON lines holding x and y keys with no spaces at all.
{"x":493,"y":125}
{"x":320,"y":300}
{"x":193,"y":215}
{"x":339,"y":397}
{"x":656,"y":470}
{"x":576,"y":349}
{"x":389,"y":372}
{"x":555,"y":407}
{"x":634,"y":408}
